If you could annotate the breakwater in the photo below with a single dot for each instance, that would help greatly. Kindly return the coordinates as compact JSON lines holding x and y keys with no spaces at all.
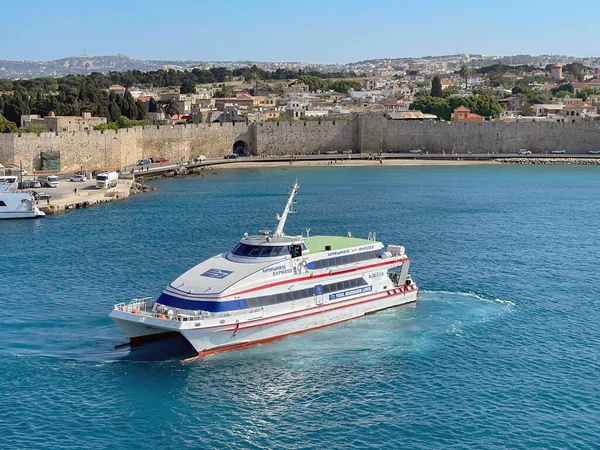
{"x":368,"y":133}
{"x":551,"y":161}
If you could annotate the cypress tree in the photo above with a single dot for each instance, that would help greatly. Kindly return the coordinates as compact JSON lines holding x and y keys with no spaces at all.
{"x":436,"y":87}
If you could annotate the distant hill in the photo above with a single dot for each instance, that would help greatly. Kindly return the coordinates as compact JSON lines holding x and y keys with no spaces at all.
{"x":119,"y":63}
{"x":104,"y":64}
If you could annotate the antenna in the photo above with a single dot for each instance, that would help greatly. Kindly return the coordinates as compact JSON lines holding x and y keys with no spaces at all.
{"x":86,"y":64}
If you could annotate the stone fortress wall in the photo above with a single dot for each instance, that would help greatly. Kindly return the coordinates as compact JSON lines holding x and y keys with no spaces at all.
{"x":376,"y":135}
{"x":368,"y":133}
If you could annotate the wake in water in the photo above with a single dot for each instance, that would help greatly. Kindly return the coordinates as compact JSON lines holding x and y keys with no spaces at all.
{"x":438,"y":315}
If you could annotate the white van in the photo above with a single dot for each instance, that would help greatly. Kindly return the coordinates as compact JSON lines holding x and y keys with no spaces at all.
{"x":48,"y":180}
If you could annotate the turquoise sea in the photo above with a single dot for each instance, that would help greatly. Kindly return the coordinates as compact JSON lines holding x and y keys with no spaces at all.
{"x":501,"y":351}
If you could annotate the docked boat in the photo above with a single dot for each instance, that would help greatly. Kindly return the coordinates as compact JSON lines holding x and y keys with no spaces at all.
{"x":272,"y":285}
{"x":16,"y":203}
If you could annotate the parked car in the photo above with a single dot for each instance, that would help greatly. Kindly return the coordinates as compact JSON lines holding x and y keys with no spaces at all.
{"x":395,"y":150}
{"x":559,"y":151}
{"x":231,"y":156}
{"x":594,"y":152}
{"x":30,"y":184}
{"x":161,"y":160}
{"x":416,"y":151}
{"x":523,"y":151}
{"x":78,"y":177}
{"x":331,"y":152}
{"x":41,"y":196}
{"x":142,"y":162}
{"x":200,"y":158}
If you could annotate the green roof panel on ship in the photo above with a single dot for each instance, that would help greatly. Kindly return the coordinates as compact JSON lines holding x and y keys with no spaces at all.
{"x":317,"y":244}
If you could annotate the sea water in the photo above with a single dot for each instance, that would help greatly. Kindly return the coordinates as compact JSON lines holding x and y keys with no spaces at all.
{"x":501,"y":351}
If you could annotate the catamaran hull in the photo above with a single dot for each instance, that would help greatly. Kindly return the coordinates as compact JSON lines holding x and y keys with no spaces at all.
{"x":244,"y":334}
{"x":22,"y":214}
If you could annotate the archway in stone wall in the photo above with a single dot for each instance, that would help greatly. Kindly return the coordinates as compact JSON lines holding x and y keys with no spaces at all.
{"x":241,"y":148}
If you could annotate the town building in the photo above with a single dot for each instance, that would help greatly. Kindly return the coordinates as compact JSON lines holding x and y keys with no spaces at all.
{"x":54,"y":123}
{"x":463,"y":114}
{"x":512,"y":103}
{"x":592,"y":83}
{"x":545,"y":109}
{"x":117,"y":89}
{"x":240,"y":100}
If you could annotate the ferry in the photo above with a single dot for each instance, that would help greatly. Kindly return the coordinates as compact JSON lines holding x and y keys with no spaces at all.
{"x":272,"y":285}
{"x":16,"y":203}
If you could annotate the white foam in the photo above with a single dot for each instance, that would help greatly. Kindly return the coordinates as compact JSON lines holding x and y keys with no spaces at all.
{"x":473,"y":295}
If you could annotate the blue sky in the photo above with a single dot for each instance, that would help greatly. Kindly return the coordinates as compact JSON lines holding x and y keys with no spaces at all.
{"x":326,"y":31}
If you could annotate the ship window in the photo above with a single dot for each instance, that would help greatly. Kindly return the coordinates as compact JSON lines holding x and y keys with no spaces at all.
{"x":265,"y":251}
{"x":318,"y":264}
{"x":254,"y":251}
{"x":338,"y":261}
{"x":2,"y":203}
{"x":346,"y":259}
{"x":252,"y":302}
{"x":272,"y":299}
{"x":259,"y":250}
{"x":326,"y":289}
{"x":352,"y":258}
{"x":288,"y":297}
{"x":297,"y":295}
{"x":262,"y":301}
{"x":346,"y":285}
{"x":304,"y":247}
{"x":339,"y":286}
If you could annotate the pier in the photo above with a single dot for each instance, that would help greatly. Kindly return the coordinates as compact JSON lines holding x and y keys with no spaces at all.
{"x":64,"y":198}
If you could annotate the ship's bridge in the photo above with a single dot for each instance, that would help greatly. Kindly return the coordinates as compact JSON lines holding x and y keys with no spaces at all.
{"x":265,"y":246}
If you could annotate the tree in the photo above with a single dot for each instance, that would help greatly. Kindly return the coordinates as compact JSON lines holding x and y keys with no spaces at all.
{"x":344,"y":86}
{"x":576,"y":69}
{"x":169,"y":107}
{"x":113,"y":108}
{"x":314,"y":83}
{"x":224,"y":92}
{"x":436,"y":87}
{"x":187,"y":86}
{"x":586,"y":92}
{"x":6,"y":126}
{"x":432,"y":105}
{"x":567,"y":87}
{"x":465,"y":72}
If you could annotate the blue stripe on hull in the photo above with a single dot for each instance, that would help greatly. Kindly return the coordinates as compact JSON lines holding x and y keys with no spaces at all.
{"x":203,"y":305}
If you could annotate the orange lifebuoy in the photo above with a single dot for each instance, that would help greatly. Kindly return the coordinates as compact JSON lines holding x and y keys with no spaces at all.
{"x":162,"y":316}
{"x":136,"y":311}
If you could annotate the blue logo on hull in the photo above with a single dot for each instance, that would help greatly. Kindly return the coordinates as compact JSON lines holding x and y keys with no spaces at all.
{"x":216,"y":273}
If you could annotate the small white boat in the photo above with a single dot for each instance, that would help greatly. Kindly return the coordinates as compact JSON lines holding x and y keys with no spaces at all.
{"x":272,"y":285}
{"x":16,"y":203}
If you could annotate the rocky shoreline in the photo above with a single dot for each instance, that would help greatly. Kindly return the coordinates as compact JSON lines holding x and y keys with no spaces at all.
{"x":551,"y":161}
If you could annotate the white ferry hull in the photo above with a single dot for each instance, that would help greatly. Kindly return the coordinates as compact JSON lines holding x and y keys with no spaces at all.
{"x":234,"y":335}
{"x":207,"y":342}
